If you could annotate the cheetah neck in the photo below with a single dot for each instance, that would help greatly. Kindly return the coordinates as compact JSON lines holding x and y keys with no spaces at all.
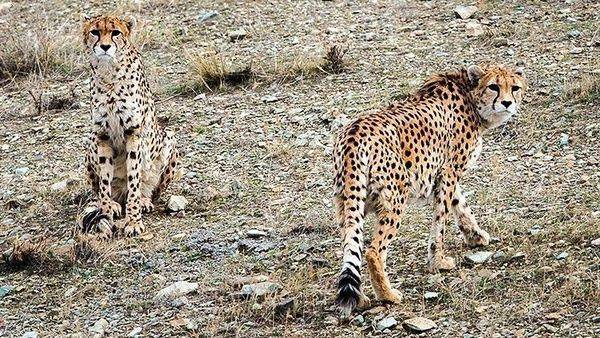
{"x":107,"y":73}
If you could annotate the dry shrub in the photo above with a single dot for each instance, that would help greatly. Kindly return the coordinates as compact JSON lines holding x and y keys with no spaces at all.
{"x":333,"y":61}
{"x":586,"y":89}
{"x":27,"y":253}
{"x":211,"y":72}
{"x":87,"y":249}
{"x":39,"y":51}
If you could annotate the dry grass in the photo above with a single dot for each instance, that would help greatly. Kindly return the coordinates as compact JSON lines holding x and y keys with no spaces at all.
{"x":210,"y":72}
{"x":27,"y":253}
{"x":586,"y":89}
{"x":40,"y":52}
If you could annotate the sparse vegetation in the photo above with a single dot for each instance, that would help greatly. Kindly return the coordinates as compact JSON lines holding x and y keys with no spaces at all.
{"x":38,"y":52}
{"x":250,"y":164}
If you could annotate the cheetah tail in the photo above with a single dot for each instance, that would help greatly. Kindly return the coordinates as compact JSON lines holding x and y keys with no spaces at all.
{"x":91,"y":216}
{"x":351,"y":212}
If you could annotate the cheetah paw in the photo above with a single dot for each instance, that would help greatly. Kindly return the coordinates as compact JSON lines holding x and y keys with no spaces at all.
{"x":146,"y":204}
{"x":392,"y":296}
{"x":479,"y":238}
{"x":443,"y":264}
{"x":130,"y":228}
{"x":113,"y":210}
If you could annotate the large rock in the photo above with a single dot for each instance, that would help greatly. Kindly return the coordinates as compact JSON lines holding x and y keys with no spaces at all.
{"x":176,"y":290}
{"x":386,"y":323}
{"x":474,"y":29}
{"x":419,"y":324}
{"x":177,"y":203}
{"x":479,"y":257}
{"x":464,"y":12}
{"x":99,"y":328}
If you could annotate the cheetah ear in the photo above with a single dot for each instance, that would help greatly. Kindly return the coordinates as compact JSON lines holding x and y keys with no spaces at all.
{"x":84,"y":17}
{"x":475,"y":73}
{"x":131,"y":22}
{"x":520,"y":71}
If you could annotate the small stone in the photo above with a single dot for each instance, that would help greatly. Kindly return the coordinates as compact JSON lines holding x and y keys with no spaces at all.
{"x":180,"y":301}
{"x":255,"y":233}
{"x":464,"y":12}
{"x":30,"y":334}
{"x":208,"y":16}
{"x":431,"y":295}
{"x":21,"y":171}
{"x":596,"y":242}
{"x":99,"y":327}
{"x":564,"y":139}
{"x":576,"y":50}
{"x":512,"y":158}
{"x":474,"y":29}
{"x":284,"y":307}
{"x":4,"y":290}
{"x":562,"y":255}
{"x":358,"y":320}
{"x":63,"y":185}
{"x":386,"y":323}
{"x":518,"y":256}
{"x":70,"y":292}
{"x":479,"y":257}
{"x":237,"y":34}
{"x":135,"y":332}
{"x":550,"y":328}
{"x":574,"y":33}
{"x":175,"y":290}
{"x":269,"y":98}
{"x":535,"y":230}
{"x":419,"y":324}
{"x":260,"y":289}
{"x":177,"y":203}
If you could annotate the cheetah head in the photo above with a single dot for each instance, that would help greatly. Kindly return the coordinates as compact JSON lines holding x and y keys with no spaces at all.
{"x":106,"y":37}
{"x":499,"y":92}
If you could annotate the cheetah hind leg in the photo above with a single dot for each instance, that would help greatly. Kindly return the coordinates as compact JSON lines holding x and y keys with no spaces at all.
{"x":167,"y":175}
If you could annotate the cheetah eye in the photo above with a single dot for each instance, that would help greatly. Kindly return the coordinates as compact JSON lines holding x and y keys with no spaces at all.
{"x":95,"y":32}
{"x":116,"y":33}
{"x":515,"y":88}
{"x":494,"y":87}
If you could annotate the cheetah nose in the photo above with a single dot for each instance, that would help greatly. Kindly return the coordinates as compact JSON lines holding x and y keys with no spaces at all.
{"x":506,"y":104}
{"x":105,"y":47}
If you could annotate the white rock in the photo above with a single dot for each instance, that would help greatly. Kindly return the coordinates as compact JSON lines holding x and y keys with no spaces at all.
{"x":5,"y":6}
{"x":269,"y":98}
{"x":260,"y":289}
{"x":419,"y":324}
{"x":479,"y":257}
{"x":70,"y":292}
{"x":175,"y":290}
{"x":237,"y":34}
{"x":474,"y":29}
{"x":255,"y":233}
{"x":177,"y":203}
{"x":386,"y":323}
{"x":99,"y":327}
{"x":431,"y":295}
{"x":464,"y":12}
{"x":208,"y":16}
{"x":562,"y":255}
{"x":596,"y":242}
{"x":135,"y":332}
{"x":22,"y":171}
{"x":30,"y":334}
{"x":63,"y":185}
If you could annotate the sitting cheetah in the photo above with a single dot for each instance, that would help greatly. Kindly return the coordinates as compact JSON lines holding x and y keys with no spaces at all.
{"x":415,"y":149}
{"x":130,"y":159}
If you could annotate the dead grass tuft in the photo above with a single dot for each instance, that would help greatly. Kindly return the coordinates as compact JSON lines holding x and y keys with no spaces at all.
{"x":87,"y":249}
{"x":586,"y":89}
{"x":334,"y":62}
{"x":211,"y":72}
{"x":27,"y":253}
{"x":38,"y":52}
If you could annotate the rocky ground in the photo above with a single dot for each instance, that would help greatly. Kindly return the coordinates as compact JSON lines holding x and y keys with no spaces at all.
{"x":256,"y":252}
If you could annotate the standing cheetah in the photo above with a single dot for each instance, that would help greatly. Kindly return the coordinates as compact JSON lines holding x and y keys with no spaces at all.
{"x":415,"y":149}
{"x":130,"y":159}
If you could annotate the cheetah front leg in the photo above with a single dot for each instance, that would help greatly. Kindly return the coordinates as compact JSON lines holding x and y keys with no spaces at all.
{"x":473,"y":234}
{"x":104,"y":165}
{"x":132,"y":222}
